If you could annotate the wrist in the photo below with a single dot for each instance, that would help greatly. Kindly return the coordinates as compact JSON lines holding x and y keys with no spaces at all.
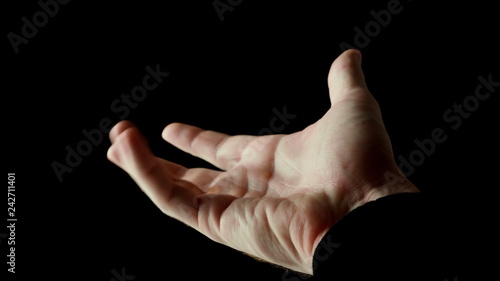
{"x":352,"y":198}
{"x":393,"y":184}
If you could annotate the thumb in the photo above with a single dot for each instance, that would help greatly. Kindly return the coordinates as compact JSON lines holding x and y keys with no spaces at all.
{"x":346,"y":78}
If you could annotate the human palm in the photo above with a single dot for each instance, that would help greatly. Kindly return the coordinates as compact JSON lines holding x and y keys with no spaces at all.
{"x":276,"y":195}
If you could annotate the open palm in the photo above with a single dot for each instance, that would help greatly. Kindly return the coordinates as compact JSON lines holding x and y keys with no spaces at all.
{"x":276,"y":195}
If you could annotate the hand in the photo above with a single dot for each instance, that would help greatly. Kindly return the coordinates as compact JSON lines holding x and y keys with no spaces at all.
{"x":277,"y":195}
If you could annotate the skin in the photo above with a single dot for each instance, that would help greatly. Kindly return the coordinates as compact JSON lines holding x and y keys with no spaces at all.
{"x":276,"y":195}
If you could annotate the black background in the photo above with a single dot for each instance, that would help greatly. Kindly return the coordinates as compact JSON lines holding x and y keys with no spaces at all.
{"x":227,"y":76}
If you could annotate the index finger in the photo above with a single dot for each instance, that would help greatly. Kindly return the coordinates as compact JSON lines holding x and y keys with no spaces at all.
{"x":219,"y":149}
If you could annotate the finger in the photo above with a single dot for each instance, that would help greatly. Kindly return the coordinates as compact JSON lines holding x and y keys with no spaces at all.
{"x":176,"y":169}
{"x":346,"y":79}
{"x":118,"y":129}
{"x":201,"y":177}
{"x":219,"y":149}
{"x":198,"y":176}
{"x":155,"y":176}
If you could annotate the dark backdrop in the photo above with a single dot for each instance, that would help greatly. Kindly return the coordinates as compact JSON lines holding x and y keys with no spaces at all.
{"x":226,"y":73}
